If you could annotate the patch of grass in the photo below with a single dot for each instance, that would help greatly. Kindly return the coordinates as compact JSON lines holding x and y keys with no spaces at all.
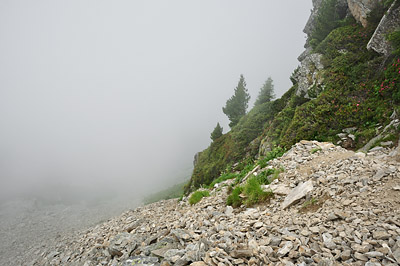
{"x":266,"y":177}
{"x":315,"y":150}
{"x":222,"y":178}
{"x":234,"y":198}
{"x":252,"y":192}
{"x":180,"y":198}
{"x":245,"y":170}
{"x":197,"y":196}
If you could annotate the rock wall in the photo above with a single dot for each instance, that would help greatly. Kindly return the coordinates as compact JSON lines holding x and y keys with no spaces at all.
{"x":308,"y":29}
{"x":309,"y":77}
{"x":361,"y":8}
{"x":389,"y":23}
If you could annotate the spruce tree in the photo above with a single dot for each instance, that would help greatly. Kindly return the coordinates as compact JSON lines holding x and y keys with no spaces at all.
{"x":217,"y":132}
{"x":236,"y":106}
{"x":266,"y":93}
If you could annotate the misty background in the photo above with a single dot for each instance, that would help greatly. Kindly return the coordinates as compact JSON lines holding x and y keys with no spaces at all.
{"x":106,"y":98}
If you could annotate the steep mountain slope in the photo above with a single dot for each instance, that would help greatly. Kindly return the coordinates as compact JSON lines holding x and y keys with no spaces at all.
{"x":350,"y":216}
{"x":315,"y":204}
{"x":339,"y":85}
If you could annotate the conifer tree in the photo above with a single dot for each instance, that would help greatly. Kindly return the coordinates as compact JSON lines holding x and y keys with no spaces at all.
{"x":236,"y":106}
{"x":217,"y":132}
{"x":266,"y":93}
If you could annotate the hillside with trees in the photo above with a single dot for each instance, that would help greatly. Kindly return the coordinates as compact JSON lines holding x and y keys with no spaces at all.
{"x":343,"y":92}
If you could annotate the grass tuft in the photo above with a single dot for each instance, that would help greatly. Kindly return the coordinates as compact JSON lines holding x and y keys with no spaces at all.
{"x":197,"y":196}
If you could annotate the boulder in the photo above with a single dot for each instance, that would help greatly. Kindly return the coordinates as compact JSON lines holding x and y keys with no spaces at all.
{"x":361,"y":8}
{"x":297,"y":193}
{"x":389,"y":22}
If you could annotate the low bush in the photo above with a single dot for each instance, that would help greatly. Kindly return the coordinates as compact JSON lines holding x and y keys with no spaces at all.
{"x":252,"y":194}
{"x":197,"y":196}
{"x":234,"y":198}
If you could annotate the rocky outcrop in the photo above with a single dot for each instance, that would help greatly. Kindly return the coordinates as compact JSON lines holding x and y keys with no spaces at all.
{"x":309,"y":75}
{"x":350,"y":216}
{"x":341,"y":6}
{"x":361,"y":8}
{"x":389,"y":23}
{"x":310,"y":25}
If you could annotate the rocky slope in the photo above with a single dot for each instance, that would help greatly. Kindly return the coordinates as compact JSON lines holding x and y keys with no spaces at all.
{"x":27,"y":226}
{"x":348,"y":213}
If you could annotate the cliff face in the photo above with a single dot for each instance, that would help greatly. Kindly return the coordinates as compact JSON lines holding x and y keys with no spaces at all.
{"x":339,"y":85}
{"x":309,"y":76}
{"x":389,"y":23}
{"x":360,"y":9}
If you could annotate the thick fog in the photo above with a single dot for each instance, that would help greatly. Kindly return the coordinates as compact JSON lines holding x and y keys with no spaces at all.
{"x":103,"y":98}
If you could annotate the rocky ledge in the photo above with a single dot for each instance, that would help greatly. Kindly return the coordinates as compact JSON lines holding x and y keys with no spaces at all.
{"x":331,"y":207}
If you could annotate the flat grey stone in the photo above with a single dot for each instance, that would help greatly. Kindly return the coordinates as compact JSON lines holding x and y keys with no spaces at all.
{"x":297,"y":193}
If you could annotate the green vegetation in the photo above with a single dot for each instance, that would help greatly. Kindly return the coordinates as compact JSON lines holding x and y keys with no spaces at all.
{"x":394,"y":39}
{"x":222,"y":178}
{"x":360,"y":88}
{"x":236,"y":106}
{"x":212,"y":162}
{"x":310,"y":202}
{"x":275,"y":153}
{"x":234,"y":198}
{"x":328,"y":18}
{"x":197,"y":196}
{"x":266,"y":93}
{"x":266,"y":177}
{"x":252,"y":194}
{"x":315,"y":150}
{"x":217,"y":132}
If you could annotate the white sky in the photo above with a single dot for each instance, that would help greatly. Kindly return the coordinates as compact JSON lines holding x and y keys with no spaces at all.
{"x":122,"y":94}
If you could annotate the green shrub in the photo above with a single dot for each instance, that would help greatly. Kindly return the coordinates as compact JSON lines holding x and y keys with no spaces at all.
{"x":234,"y":198}
{"x":266,"y":177}
{"x":253,"y":194}
{"x":328,"y":18}
{"x":263,"y":177}
{"x":197,"y":196}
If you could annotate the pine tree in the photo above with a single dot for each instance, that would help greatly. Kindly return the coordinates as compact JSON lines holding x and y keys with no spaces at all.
{"x":266,"y":93}
{"x":217,"y":132}
{"x":236,"y":106}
